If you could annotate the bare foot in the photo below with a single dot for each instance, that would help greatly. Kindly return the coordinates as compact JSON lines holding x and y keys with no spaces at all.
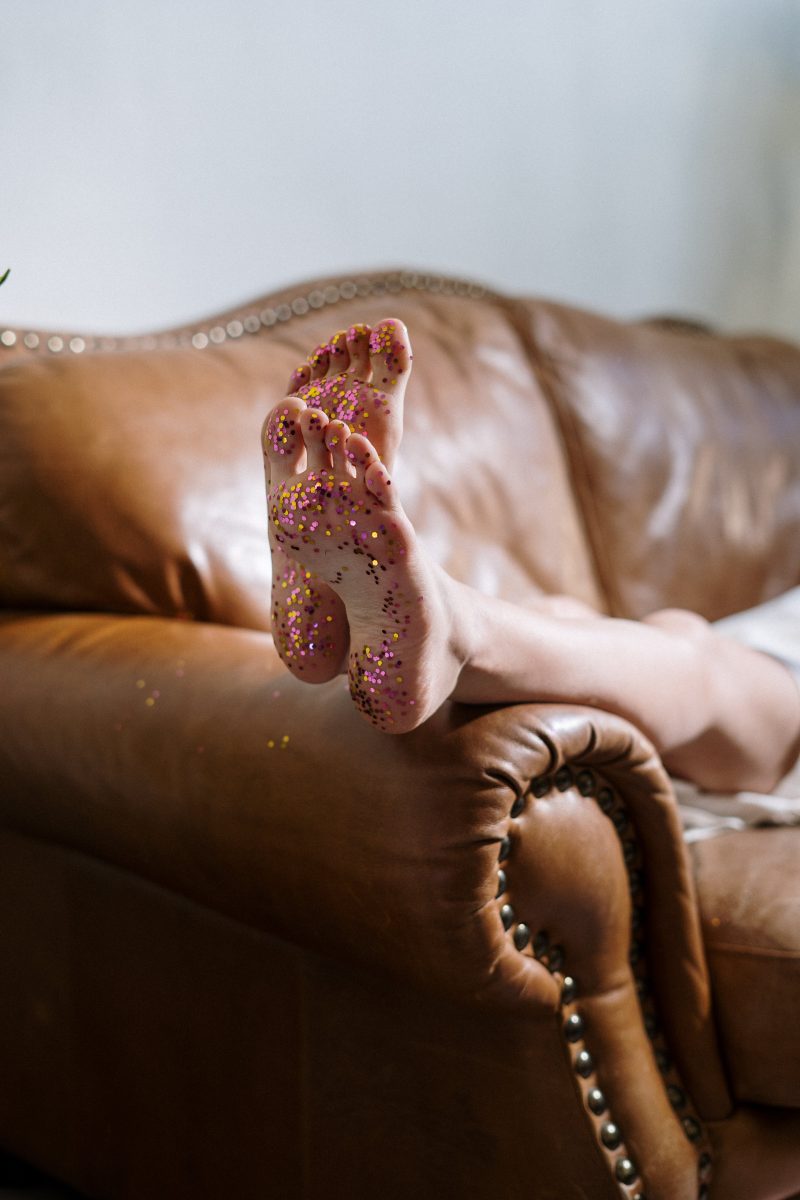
{"x":333,"y":511}
{"x":359,"y":377}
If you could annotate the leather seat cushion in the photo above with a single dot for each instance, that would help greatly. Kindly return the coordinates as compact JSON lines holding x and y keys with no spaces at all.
{"x":749,"y":891}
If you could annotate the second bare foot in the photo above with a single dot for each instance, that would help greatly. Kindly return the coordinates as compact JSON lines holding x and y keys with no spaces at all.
{"x":333,"y":511}
{"x":359,"y":376}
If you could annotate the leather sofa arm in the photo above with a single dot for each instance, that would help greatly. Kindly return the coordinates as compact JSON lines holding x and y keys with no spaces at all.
{"x":487,"y":856}
{"x":186,"y":753}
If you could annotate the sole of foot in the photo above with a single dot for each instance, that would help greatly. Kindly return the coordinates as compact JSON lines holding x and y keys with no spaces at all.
{"x":359,"y":376}
{"x":333,"y":511}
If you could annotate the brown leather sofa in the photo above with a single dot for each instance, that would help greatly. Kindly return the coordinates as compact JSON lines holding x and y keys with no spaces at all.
{"x":253,"y":948}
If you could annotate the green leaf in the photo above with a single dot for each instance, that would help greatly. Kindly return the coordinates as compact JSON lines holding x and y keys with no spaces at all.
{"x":5,"y":276}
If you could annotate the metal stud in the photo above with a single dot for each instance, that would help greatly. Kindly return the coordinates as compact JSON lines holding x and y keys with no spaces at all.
{"x":663,"y":1061}
{"x":555,"y":959}
{"x":522,"y":935}
{"x":517,"y":806}
{"x":505,"y":849}
{"x":651,"y":1024}
{"x":563,"y":779}
{"x":636,"y":880}
{"x":502,"y":883}
{"x":596,"y":1102}
{"x":629,"y":851}
{"x":584,"y":1064}
{"x":625,"y":1171}
{"x":619,"y":819}
{"x":507,"y":916}
{"x":605,"y":798}
{"x":610,"y":1135}
{"x":541,"y":786}
{"x":268,"y":317}
{"x":692,"y":1129}
{"x":541,"y":944}
{"x":569,"y":990}
{"x":585,"y":782}
{"x":8,"y":337}
{"x":574,"y":1027}
{"x":677,"y":1096}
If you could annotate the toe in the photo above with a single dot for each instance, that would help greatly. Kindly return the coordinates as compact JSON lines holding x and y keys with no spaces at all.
{"x":339,"y":354}
{"x":360,"y":453}
{"x":358,"y":345}
{"x":318,"y":362}
{"x":282,"y":440}
{"x":377,"y":481}
{"x":390,"y":350}
{"x":313,"y":423}
{"x":299,"y":378}
{"x":336,"y":435}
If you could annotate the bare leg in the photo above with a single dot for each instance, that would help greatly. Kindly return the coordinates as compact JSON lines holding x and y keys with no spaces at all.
{"x":719,"y":713}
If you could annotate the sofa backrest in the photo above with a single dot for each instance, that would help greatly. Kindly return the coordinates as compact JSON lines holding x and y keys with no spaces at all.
{"x":684,"y":449}
{"x":544,"y":449}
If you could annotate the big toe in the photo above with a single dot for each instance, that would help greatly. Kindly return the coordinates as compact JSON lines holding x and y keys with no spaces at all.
{"x":313,"y":423}
{"x":390,"y":354}
{"x":281,"y":437}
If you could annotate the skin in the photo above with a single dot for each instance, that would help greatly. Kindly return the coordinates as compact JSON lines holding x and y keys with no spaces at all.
{"x":363,"y":592}
{"x":359,"y":377}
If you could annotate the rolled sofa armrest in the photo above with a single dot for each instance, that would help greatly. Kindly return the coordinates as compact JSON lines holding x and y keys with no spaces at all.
{"x":500,"y":856}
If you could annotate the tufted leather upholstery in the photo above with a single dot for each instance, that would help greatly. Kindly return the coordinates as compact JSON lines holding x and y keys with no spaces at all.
{"x":259,"y":944}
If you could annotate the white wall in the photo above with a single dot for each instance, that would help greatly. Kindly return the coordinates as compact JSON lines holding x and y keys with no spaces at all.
{"x":162,"y":158}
